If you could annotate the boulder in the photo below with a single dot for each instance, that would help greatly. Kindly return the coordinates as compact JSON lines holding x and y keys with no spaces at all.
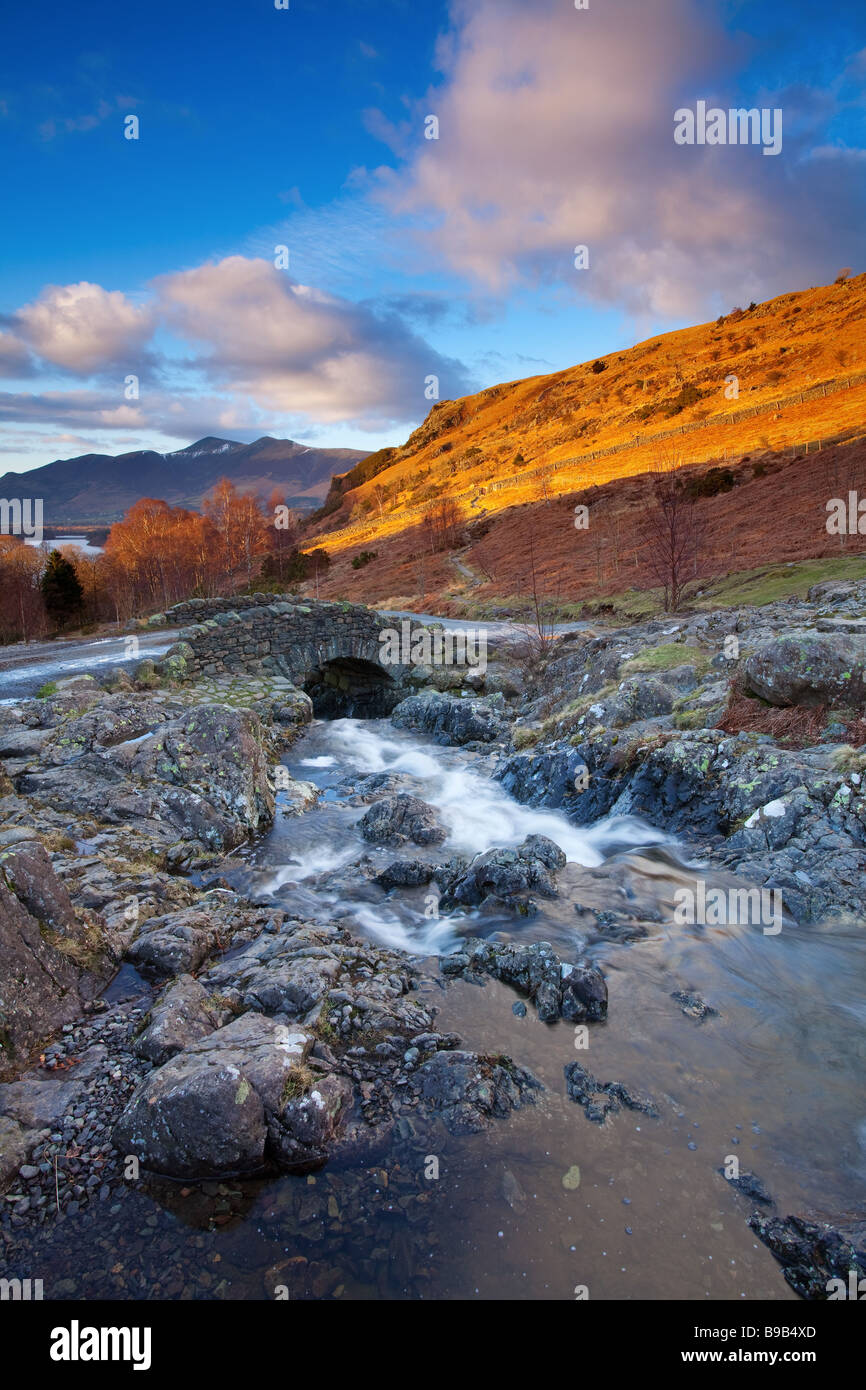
{"x":452,"y":720}
{"x":182,"y":1015}
{"x":174,"y":944}
{"x":400,"y":818}
{"x":27,"y":870}
{"x":50,"y":964}
{"x":206,"y":1113}
{"x":640,"y":697}
{"x":809,"y":668}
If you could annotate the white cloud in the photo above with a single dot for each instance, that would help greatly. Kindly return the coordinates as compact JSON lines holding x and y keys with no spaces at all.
{"x":83,"y":327}
{"x":556,"y":130}
{"x":296,"y":349}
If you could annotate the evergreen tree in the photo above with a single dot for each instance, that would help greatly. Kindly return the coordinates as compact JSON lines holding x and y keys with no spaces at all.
{"x":61,"y":590}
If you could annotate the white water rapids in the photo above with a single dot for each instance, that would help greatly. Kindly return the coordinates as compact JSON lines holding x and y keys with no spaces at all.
{"x":474,"y":809}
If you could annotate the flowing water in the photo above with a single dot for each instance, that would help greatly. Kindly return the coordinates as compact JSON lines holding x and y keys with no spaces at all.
{"x":773,"y":1078}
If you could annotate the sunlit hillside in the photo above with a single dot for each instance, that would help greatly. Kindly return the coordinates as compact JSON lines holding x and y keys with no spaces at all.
{"x":759,"y":390}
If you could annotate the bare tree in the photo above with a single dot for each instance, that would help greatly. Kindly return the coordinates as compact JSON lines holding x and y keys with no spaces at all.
{"x":675,"y":533}
{"x":442,"y":523}
{"x":536,"y":624}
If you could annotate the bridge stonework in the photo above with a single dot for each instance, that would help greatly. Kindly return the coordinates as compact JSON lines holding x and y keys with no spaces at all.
{"x":315,"y":645}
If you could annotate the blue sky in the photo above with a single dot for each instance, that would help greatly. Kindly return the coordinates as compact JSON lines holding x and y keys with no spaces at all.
{"x":408,"y":258}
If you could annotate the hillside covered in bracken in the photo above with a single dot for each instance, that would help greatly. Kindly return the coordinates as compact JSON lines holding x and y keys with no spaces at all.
{"x":763,"y":408}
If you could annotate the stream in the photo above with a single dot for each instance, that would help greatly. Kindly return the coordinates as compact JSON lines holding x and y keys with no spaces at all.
{"x":545,"y":1204}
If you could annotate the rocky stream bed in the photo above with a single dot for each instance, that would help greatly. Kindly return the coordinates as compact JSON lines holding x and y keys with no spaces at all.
{"x":407,"y":1008}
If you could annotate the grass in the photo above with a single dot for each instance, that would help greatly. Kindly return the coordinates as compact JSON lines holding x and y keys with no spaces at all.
{"x":775,"y":582}
{"x":565,"y":720}
{"x":524,"y":738}
{"x":323,"y":1027}
{"x":632,"y":604}
{"x":46,"y":690}
{"x":848,"y":759}
{"x":665,"y":657}
{"x":690,"y":719}
{"x":298,"y":1083}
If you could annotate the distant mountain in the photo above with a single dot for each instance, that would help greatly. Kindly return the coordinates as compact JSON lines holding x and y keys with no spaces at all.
{"x":100,"y":488}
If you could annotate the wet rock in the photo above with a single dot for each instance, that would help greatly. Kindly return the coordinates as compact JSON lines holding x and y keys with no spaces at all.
{"x":400,"y":818}
{"x":574,"y":991}
{"x":817,"y":1259}
{"x":452,"y":720}
{"x":405,"y":873}
{"x":508,"y":875}
{"x":467,"y":1090}
{"x":584,"y":993}
{"x":602,"y":1098}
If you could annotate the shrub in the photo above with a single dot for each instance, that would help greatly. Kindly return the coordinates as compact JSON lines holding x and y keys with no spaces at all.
{"x":711,"y":483}
{"x":359,"y":561}
{"x":688,"y":395}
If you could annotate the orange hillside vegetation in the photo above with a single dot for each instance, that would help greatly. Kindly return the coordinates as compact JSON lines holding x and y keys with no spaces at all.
{"x":799,"y":363}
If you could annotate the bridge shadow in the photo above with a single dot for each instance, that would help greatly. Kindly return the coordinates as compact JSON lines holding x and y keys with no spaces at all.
{"x":349,"y":688}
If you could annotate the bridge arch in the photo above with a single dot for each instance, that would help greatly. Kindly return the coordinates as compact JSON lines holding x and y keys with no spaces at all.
{"x":336,"y":652}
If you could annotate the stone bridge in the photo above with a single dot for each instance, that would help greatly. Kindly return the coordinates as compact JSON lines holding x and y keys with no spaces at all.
{"x":332,"y":651}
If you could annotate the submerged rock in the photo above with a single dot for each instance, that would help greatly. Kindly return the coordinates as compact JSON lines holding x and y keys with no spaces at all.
{"x":602,"y":1098}
{"x":750,"y":1186}
{"x":693,"y":1006}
